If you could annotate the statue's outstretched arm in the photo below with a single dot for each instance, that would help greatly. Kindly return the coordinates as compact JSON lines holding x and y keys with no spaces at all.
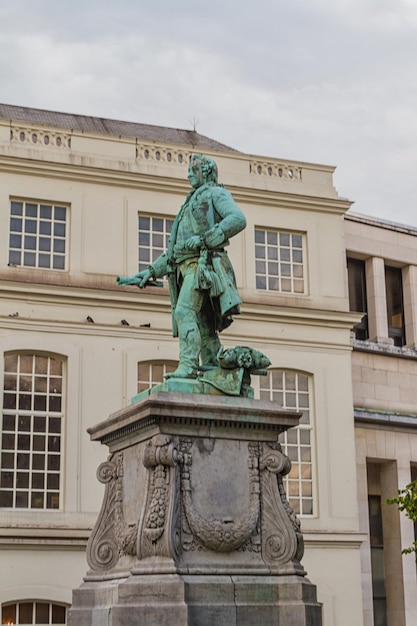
{"x":148,"y":276}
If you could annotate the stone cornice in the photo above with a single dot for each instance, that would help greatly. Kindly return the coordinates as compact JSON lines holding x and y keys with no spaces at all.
{"x":188,"y":413}
{"x":130,"y":173}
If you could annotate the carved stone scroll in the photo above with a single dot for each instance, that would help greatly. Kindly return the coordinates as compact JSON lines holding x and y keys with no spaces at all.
{"x":281,"y":537}
{"x":112,"y":537}
{"x":102,"y":548}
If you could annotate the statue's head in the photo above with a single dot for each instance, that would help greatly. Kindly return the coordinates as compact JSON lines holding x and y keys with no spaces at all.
{"x":202,"y":169}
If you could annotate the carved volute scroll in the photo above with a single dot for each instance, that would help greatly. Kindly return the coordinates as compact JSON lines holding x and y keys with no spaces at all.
{"x":281,"y":537}
{"x":102,"y":548}
{"x":112,"y":537}
{"x":159,"y":531}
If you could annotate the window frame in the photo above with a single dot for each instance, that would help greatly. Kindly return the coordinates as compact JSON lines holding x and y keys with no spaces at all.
{"x":27,"y":423}
{"x":155,"y":250}
{"x":356,"y":271}
{"x":395,"y":304}
{"x":280,"y":256}
{"x":160,"y":366}
{"x":296,"y":437}
{"x":30,"y":229}
{"x":15,"y":614}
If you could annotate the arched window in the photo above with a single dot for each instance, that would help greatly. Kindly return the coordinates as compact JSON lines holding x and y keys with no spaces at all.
{"x":293,"y":390}
{"x":34,"y":612}
{"x":151,"y":373}
{"x":32,"y":428}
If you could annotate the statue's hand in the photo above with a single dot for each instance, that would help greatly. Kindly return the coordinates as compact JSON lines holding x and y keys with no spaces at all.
{"x":193,"y":243}
{"x":143,"y":278}
{"x":140,"y":279}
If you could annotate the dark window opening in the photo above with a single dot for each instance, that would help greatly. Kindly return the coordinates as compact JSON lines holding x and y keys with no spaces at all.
{"x":357,"y":296}
{"x":395,"y":305}
{"x":379,"y":595}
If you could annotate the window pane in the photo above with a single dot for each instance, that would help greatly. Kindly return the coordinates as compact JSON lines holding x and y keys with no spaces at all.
{"x":60,"y":213}
{"x":45,"y":228}
{"x":16,"y":208}
{"x":15,"y":241}
{"x":395,"y":307}
{"x":58,"y":262}
{"x":16,"y":225}
{"x":8,"y":614}
{"x":42,"y":613}
{"x":46,"y":211}
{"x":6,"y":499}
{"x":15,"y":258}
{"x":29,"y":259}
{"x":30,"y":226}
{"x":31,"y":210}
{"x":58,"y":614}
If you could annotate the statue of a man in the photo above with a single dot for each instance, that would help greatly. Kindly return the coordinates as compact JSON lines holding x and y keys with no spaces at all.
{"x":200,"y":275}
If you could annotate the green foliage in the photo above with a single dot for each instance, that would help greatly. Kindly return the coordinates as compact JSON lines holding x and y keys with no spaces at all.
{"x":407,"y":502}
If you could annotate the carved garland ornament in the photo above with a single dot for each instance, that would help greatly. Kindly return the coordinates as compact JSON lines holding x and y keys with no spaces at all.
{"x":159,"y":534}
{"x":221,"y":535}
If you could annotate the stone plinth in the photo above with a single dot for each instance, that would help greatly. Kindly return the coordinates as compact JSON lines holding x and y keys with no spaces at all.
{"x":195,"y":528}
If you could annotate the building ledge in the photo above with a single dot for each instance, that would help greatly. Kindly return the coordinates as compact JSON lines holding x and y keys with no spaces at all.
{"x":385,"y":349}
{"x":389,"y":419}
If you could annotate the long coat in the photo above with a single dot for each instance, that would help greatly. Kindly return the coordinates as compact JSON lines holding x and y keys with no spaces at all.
{"x":211,"y":213}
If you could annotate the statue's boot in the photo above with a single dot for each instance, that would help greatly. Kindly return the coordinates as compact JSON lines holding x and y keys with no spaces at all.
{"x":190,"y":346}
{"x":210,"y":348}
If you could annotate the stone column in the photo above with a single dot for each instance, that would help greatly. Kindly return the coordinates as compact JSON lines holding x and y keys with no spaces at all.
{"x":377,"y":300}
{"x":394,"y":581}
{"x":195,"y":528}
{"x":409,"y":274}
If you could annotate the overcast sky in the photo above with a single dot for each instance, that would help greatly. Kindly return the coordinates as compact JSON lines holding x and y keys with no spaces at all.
{"x":323,"y":81}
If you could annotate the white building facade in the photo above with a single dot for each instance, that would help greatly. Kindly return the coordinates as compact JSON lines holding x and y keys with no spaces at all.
{"x":83,"y":200}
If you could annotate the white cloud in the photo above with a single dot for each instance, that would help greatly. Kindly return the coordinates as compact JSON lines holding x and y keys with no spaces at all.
{"x":328,"y":81}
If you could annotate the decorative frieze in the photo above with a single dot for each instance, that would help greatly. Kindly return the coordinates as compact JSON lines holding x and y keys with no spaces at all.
{"x":44,"y":138}
{"x":162,"y":154}
{"x":270,"y":169}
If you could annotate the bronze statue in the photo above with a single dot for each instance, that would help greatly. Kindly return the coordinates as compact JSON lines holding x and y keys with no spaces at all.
{"x":201,"y":279}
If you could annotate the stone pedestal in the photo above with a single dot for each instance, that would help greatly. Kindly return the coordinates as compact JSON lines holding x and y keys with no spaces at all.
{"x":195,"y":529}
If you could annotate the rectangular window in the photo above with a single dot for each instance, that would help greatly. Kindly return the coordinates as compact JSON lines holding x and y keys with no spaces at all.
{"x":395,"y":306}
{"x":377,"y":560}
{"x":30,"y":462}
{"x":357,"y":295}
{"x":153,"y":235}
{"x":291,"y":390}
{"x":38,"y":235}
{"x":280,"y":261}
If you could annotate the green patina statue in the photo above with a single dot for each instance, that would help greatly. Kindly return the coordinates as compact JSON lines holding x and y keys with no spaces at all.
{"x":201,"y":279}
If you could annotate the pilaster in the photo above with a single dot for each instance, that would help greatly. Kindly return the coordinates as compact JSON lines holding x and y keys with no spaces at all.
{"x":377,"y":300}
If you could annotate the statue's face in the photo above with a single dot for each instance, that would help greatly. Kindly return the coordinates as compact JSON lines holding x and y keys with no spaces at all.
{"x":195,"y":174}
